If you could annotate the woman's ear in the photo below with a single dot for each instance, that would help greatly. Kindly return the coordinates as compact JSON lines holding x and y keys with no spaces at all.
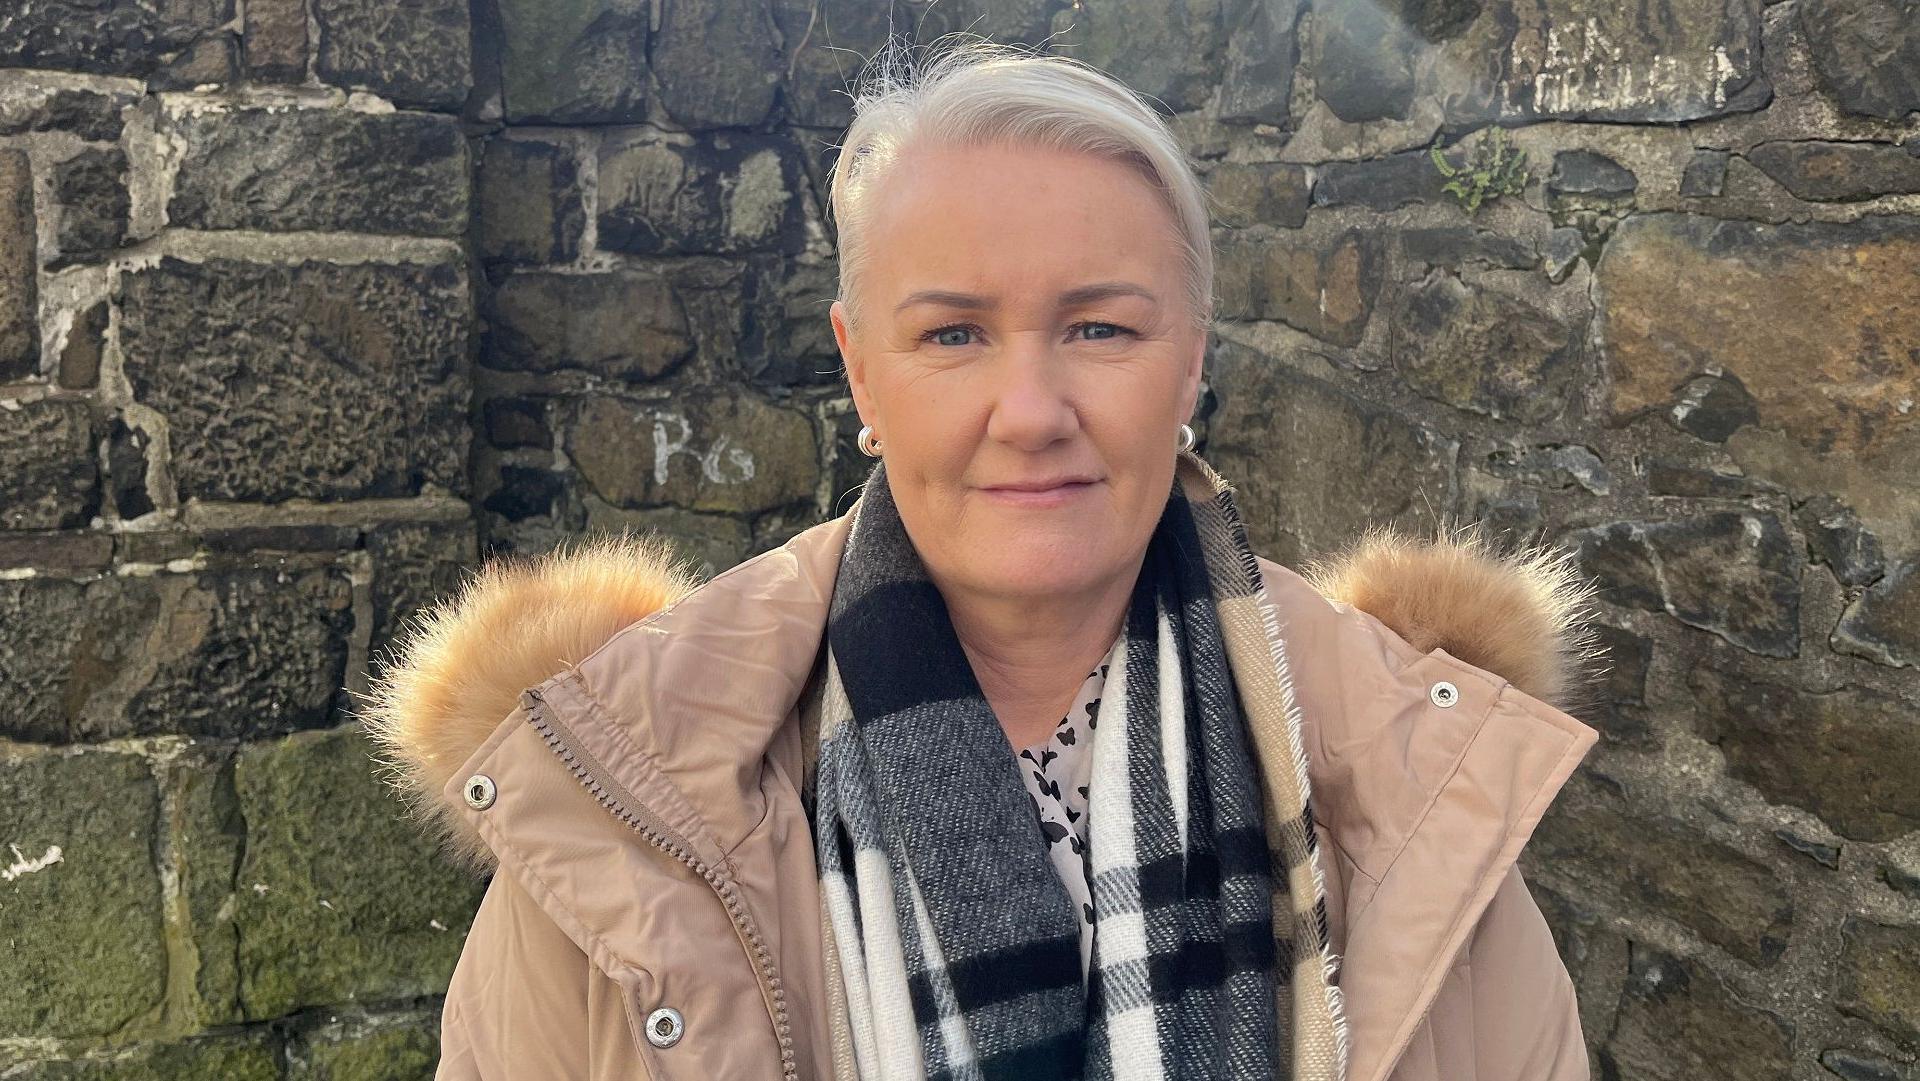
{"x":850,"y":360}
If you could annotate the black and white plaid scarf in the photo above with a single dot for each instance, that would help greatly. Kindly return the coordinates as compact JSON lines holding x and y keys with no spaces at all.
{"x":953,"y":945}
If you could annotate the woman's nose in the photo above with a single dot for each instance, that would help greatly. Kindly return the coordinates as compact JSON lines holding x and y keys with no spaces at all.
{"x":1031,"y":404}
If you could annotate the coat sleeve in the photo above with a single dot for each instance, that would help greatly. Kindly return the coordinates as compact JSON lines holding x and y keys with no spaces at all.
{"x":523,"y":999}
{"x":1526,"y":1019}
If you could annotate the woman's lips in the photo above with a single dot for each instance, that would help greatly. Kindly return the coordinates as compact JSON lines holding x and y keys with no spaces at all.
{"x":1060,"y":495}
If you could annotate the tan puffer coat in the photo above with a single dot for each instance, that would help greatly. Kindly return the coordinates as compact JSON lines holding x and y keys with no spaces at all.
{"x":623,"y":751}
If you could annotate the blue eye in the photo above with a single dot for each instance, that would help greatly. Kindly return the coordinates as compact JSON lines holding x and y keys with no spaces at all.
{"x":969,"y":328}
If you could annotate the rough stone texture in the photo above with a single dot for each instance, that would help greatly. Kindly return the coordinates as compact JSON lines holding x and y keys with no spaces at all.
{"x":711,"y":542}
{"x":1257,"y":82}
{"x":275,"y":41}
{"x":1594,"y":834}
{"x":1165,"y":50}
{"x":788,"y":339}
{"x":1731,"y":573}
{"x":620,"y":325}
{"x":1290,"y":441}
{"x":81,"y":896}
{"x":1861,"y":782}
{"x":1816,"y":319}
{"x":415,"y":54}
{"x":1679,"y":1020}
{"x":1837,"y":538}
{"x":320,"y":920}
{"x":1269,"y":193}
{"x":321,"y":169}
{"x":1884,"y":624}
{"x":1829,"y":172}
{"x":250,"y":1057}
{"x":89,"y":114}
{"x":1323,"y":287}
{"x":108,"y":37}
{"x":1880,"y":975}
{"x":1387,"y":183}
{"x":705,"y":451}
{"x":1584,"y":172}
{"x":46,"y":454}
{"x":530,"y":204}
{"x":310,"y":380}
{"x":1867,"y":53}
{"x":574,"y":61}
{"x":413,"y":565}
{"x":345,"y":1053}
{"x":717,"y":64}
{"x":1365,"y":60}
{"x":727,"y":193}
{"x":1484,"y":349}
{"x":90,"y":190}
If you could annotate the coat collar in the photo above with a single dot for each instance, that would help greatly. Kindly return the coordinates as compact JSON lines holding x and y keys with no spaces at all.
{"x":1423,"y":806}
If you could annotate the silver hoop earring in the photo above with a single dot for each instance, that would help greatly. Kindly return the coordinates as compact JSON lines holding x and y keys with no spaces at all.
{"x":1186,"y":437}
{"x":869,"y":446}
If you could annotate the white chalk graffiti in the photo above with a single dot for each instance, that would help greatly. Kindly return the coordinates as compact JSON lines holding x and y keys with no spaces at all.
{"x":720,"y":463}
{"x":21,"y":865}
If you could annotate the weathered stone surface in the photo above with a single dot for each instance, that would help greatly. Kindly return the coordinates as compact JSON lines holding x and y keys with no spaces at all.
{"x":326,"y":169}
{"x":415,"y":54}
{"x":46,"y":456}
{"x":1732,"y":573}
{"x":1867,"y":53}
{"x":1587,"y":173}
{"x":90,"y":189}
{"x":1824,"y":854}
{"x":1290,"y":443}
{"x":414,"y":564}
{"x":787,"y":338}
{"x":127,"y":453}
{"x":1836,"y":172}
{"x":710,"y":542}
{"x":1363,"y":60}
{"x":212,"y":60}
{"x":1595,"y":834}
{"x":28,"y":105}
{"x":208,"y":835}
{"x":525,"y":492}
{"x":1880,"y":975}
{"x":276,"y":40}
{"x":1257,"y":82}
{"x":19,"y":269}
{"x":1570,"y":60}
{"x":80,"y":893}
{"x":339,"y":896}
{"x":730,"y":192}
{"x":107,"y":37}
{"x":1463,"y":245}
{"x":517,"y":422}
{"x":1855,"y":1067}
{"x":1713,"y":408}
{"x":1884,"y":623}
{"x":1862,"y":781}
{"x":1562,"y":250}
{"x":717,"y":64}
{"x":1816,"y":320}
{"x":312,"y":380}
{"x":1706,"y":174}
{"x":248,"y":652}
{"x":1621,"y":713}
{"x":1680,"y":1021}
{"x":531,"y":207}
{"x":1484,"y":349}
{"x":574,"y":61}
{"x":624,"y":324}
{"x":1387,"y":183}
{"x":357,"y":1053}
{"x":1260,"y":193}
{"x":248,"y":1057}
{"x":1836,"y":537}
{"x":85,"y":344}
{"x":1171,"y":51}
{"x":1325,"y":287}
{"x":702,"y":450}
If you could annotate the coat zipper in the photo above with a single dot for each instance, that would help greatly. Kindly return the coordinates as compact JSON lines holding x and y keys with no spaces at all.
{"x":629,"y":810}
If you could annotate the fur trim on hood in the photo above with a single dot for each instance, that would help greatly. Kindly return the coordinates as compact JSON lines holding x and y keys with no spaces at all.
{"x":458,"y":669}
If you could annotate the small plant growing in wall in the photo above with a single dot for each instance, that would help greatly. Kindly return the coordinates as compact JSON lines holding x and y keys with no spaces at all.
{"x":1494,"y":168}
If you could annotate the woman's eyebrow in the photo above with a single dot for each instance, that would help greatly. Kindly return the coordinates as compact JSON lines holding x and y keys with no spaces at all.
{"x":1085,"y":294}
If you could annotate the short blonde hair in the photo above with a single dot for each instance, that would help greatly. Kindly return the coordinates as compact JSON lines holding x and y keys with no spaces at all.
{"x":979,"y":92}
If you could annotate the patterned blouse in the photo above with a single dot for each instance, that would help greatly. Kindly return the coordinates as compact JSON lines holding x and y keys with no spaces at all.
{"x":1058,"y":771}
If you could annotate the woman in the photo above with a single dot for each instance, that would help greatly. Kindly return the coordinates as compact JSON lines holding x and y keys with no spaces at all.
{"x":1026,"y":766}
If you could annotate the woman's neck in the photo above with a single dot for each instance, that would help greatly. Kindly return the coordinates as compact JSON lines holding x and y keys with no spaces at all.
{"x":1030,"y":657}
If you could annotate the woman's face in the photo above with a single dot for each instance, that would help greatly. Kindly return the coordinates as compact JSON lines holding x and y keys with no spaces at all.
{"x":1024,"y":322}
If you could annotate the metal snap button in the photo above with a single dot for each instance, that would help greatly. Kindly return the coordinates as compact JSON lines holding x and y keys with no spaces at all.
{"x":1443,"y":694}
{"x":480,"y":791}
{"x":665,"y":1026}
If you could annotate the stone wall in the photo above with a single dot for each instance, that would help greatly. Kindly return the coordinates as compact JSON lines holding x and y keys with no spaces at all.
{"x":307,"y":305}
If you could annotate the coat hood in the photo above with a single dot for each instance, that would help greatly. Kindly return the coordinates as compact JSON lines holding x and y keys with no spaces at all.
{"x":457,"y":669}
